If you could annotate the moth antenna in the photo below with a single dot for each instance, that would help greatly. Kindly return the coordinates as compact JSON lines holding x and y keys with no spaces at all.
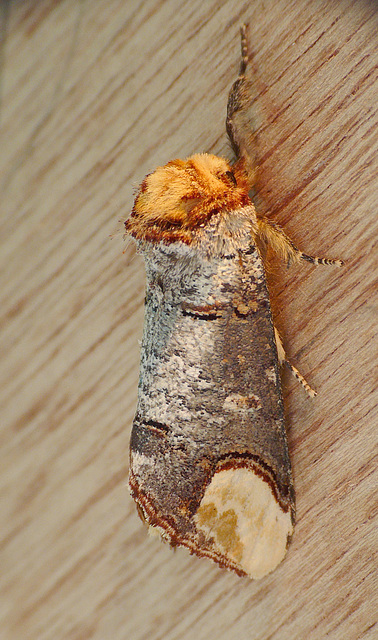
{"x":244,"y":50}
{"x":239,"y":125}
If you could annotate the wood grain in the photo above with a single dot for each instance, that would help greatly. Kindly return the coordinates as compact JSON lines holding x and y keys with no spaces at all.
{"x":94,"y":95}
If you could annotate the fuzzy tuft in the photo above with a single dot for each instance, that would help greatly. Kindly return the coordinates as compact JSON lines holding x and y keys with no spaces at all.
{"x":177,"y":199}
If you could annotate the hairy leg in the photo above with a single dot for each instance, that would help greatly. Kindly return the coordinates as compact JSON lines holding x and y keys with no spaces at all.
{"x":283,"y":360}
{"x":277,"y":239}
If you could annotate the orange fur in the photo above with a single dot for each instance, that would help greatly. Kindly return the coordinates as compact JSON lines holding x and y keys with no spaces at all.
{"x":174,"y":200}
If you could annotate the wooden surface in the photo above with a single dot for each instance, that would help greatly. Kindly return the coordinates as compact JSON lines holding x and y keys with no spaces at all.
{"x":93,"y":96}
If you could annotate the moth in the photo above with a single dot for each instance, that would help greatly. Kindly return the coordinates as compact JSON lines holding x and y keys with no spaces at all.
{"x":209,"y":460}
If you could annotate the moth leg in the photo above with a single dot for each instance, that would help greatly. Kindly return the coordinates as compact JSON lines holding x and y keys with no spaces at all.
{"x":283,"y":360}
{"x":281,"y":244}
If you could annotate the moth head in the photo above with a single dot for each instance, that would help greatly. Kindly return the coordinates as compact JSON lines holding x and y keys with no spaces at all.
{"x":177,"y":199}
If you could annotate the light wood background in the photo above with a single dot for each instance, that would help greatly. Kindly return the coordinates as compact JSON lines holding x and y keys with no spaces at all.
{"x":94,"y":95}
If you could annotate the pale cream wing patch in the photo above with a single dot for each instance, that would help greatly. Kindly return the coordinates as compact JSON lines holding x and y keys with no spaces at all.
{"x":240,"y":512}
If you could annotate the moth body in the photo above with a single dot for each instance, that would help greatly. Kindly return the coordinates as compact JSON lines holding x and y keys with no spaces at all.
{"x":209,"y":461}
{"x":209,"y":458}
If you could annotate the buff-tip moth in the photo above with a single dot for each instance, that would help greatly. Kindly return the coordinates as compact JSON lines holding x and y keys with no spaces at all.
{"x":209,"y":461}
